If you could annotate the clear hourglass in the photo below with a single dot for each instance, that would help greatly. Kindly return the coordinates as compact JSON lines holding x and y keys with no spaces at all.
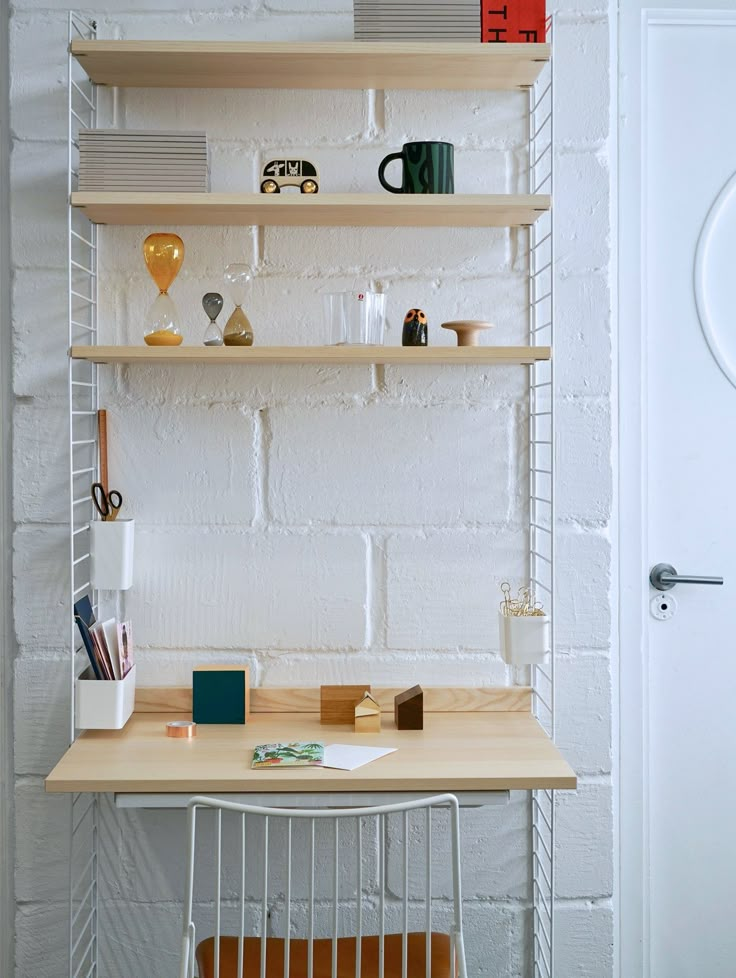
{"x":238,"y":330}
{"x":163,"y":254}
{"x":212,"y":305}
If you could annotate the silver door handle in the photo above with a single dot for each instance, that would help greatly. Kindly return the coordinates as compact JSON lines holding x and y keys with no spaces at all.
{"x":664,"y":577}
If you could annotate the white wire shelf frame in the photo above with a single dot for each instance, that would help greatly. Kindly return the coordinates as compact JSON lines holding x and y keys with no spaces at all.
{"x":84,"y":401}
{"x":542,"y":522}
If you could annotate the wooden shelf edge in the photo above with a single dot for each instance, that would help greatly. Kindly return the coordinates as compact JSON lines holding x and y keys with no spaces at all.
{"x":311,"y":65}
{"x":336,"y":355}
{"x":312,"y":210}
{"x":284,"y":699}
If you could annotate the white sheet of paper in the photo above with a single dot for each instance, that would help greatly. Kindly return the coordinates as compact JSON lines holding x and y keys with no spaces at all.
{"x":347,"y":757}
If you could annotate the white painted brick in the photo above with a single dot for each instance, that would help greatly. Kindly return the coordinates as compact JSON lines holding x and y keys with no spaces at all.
{"x":584,"y":460}
{"x":584,"y":828}
{"x":208,"y":454}
{"x":156,"y":667}
{"x":582,"y":111}
{"x":381,"y":464}
{"x":307,"y":6}
{"x":40,"y":585}
{"x":249,"y":590}
{"x":463,"y":251}
{"x":40,"y":434}
{"x":463,"y":118}
{"x":583,"y":710}
{"x":442,"y":588}
{"x":583,"y":941}
{"x":38,"y":99}
{"x":253,"y":387}
{"x":235,"y":24}
{"x":41,"y":939}
{"x":583,"y":362}
{"x":38,"y":207}
{"x":141,"y":938}
{"x":41,"y":843}
{"x":42,"y":718}
{"x":495,"y":859}
{"x":583,"y":576}
{"x":382,"y":669}
{"x":39,"y":345}
{"x":252,"y":120}
{"x":583,"y":242}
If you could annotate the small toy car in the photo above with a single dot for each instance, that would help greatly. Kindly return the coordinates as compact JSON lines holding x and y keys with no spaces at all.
{"x":289,"y":173}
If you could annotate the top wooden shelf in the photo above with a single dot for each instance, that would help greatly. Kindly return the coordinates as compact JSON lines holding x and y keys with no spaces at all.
{"x":345,"y":64}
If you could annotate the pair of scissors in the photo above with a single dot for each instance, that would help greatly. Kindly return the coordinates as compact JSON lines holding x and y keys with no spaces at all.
{"x":107,"y":503}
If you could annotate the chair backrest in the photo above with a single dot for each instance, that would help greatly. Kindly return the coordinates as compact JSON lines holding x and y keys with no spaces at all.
{"x":314,"y":873}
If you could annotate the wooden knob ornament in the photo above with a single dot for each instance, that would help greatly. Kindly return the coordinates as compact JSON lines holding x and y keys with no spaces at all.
{"x":468,"y":330}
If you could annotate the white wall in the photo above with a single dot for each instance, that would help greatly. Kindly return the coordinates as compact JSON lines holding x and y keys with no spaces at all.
{"x":325,"y":524}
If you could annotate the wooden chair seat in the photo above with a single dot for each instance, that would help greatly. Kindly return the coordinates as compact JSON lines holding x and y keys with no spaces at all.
{"x":440,"y":957}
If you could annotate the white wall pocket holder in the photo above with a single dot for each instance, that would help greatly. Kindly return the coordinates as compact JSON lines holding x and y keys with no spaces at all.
{"x":104,"y":704}
{"x":111,"y":548}
{"x":525,"y":639}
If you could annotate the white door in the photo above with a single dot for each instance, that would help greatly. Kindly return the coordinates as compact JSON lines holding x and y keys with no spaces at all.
{"x":687,"y":669}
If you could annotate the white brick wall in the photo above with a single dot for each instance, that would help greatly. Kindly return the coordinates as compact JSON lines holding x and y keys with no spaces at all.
{"x":323,"y":523}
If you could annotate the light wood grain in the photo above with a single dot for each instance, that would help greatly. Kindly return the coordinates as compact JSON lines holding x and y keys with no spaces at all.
{"x":327,"y":65}
{"x":408,"y":355}
{"x":455,"y":751}
{"x":337,"y":703}
{"x":313,"y":210}
{"x":278,"y":699}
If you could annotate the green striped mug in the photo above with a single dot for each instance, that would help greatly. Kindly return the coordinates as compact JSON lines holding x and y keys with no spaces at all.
{"x":427,"y":168}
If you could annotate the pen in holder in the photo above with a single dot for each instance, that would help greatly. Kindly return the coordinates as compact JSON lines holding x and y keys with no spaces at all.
{"x":111,"y":543}
{"x":524,"y":629}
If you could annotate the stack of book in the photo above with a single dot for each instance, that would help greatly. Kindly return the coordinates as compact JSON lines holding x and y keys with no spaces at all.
{"x":109,"y":644}
{"x":134,"y":160}
{"x":426,"y":20}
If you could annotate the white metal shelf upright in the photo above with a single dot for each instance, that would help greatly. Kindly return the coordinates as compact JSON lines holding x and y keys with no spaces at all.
{"x":541,"y":420}
{"x":84,"y":469}
{"x":83,"y":399}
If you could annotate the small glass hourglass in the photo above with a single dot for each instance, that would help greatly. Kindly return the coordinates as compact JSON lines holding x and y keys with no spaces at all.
{"x":163,"y":254}
{"x":238,"y":330}
{"x":212,"y":305}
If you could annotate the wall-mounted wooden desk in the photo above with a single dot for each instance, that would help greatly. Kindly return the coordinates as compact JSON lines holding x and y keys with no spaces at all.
{"x":483,"y":750}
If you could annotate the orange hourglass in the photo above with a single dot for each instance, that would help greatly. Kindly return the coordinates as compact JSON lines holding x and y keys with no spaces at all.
{"x":163,"y":254}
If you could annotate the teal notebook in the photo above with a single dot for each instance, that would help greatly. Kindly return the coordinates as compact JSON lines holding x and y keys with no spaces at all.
{"x":218,"y":697}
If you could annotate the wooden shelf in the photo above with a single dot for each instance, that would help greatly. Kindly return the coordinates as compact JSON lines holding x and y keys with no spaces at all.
{"x":485,"y":355}
{"x":320,"y":210}
{"x":347,"y":64}
{"x":454,"y":752}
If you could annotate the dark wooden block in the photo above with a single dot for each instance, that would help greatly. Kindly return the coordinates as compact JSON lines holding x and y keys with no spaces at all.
{"x":220,"y":695}
{"x":337,"y":703}
{"x":409,"y":709}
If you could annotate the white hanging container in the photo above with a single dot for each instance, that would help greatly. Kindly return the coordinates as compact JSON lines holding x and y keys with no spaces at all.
{"x":104,"y":704}
{"x":525,"y":639}
{"x":111,"y":549}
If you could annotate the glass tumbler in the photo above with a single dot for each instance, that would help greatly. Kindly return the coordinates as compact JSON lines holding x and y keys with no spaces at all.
{"x":355,"y":317}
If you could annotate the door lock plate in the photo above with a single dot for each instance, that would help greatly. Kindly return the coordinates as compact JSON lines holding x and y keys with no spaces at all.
{"x":663,"y":606}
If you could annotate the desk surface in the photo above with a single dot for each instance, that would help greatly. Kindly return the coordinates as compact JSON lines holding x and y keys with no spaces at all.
{"x":454,"y":752}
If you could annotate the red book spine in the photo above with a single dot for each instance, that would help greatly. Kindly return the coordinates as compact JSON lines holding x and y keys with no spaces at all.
{"x":512,"y":21}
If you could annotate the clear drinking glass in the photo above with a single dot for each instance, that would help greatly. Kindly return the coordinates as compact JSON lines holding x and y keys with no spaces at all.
{"x":357,"y":317}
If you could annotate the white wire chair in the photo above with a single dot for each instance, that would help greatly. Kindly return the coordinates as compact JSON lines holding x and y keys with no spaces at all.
{"x":343,"y":851}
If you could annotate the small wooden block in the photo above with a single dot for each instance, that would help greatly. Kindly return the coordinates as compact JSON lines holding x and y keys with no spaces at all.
{"x":367,"y":715}
{"x":409,"y":709}
{"x":221,"y":694}
{"x":337,"y":703}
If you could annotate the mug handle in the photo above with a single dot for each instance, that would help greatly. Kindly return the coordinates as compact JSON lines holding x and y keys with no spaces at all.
{"x":384,"y":163}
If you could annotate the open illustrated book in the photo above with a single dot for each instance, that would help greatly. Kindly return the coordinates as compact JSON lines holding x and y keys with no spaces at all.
{"x":345,"y":757}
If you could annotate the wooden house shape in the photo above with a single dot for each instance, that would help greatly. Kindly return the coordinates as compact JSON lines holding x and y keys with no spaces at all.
{"x":367,"y":715}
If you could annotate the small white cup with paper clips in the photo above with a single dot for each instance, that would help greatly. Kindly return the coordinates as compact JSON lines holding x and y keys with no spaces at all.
{"x":524,"y":629}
